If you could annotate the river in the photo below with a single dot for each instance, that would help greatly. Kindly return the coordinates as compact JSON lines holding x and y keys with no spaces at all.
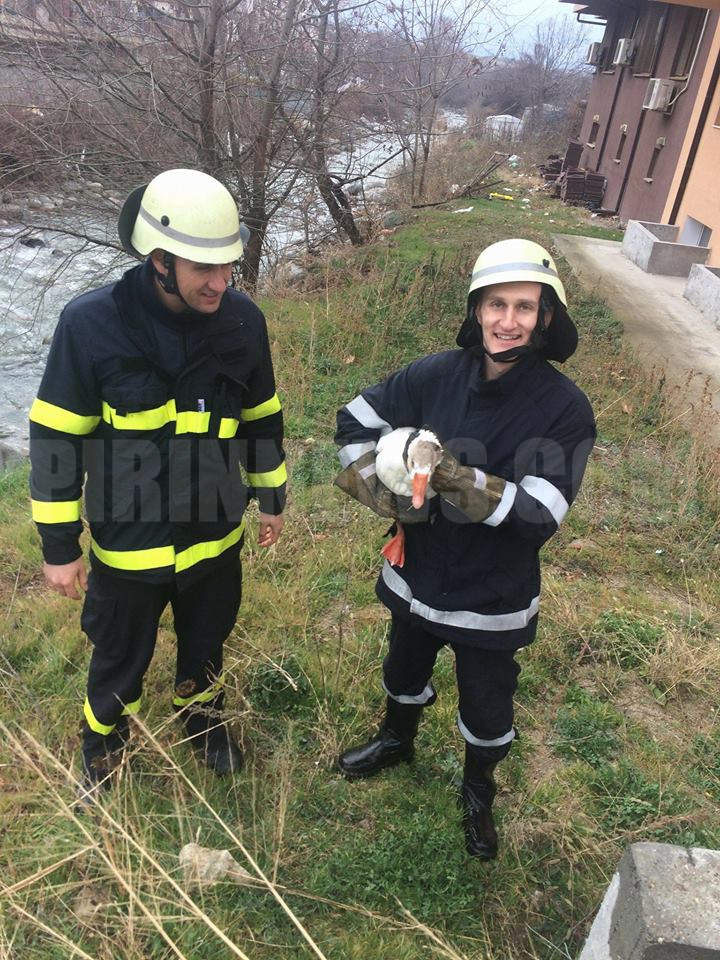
{"x":42,"y":269}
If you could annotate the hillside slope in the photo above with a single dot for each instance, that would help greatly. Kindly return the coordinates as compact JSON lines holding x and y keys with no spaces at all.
{"x":619,"y":732}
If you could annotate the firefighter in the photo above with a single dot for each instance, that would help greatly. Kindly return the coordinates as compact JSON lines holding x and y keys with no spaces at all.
{"x":157,"y":387}
{"x":515,"y":436}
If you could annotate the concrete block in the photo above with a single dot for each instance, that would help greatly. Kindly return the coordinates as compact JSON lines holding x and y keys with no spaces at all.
{"x":663,"y":904}
{"x":703,"y":291}
{"x":652,"y":247}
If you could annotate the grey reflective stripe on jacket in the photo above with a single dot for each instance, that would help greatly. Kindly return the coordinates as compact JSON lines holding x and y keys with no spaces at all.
{"x":464,"y":619}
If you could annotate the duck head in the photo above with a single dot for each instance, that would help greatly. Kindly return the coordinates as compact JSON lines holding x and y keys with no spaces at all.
{"x":422,"y":455}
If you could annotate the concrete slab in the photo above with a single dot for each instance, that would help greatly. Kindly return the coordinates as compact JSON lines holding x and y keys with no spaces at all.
{"x":665,"y":330}
{"x":654,"y":248}
{"x":703,"y":291}
{"x":661,"y":905}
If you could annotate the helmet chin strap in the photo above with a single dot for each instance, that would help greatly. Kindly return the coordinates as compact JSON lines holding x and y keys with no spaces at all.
{"x":168,"y":281}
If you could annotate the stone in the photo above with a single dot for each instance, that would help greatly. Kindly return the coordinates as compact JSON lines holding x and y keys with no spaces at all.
{"x":661,"y":905}
{"x":393,"y":218}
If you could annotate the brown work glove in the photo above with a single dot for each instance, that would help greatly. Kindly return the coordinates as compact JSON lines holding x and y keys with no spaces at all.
{"x":360,"y":482}
{"x":475,"y":493}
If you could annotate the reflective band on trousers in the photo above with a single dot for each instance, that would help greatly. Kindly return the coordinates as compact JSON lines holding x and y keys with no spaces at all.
{"x":63,"y":511}
{"x":515,"y":267}
{"x":65,"y":421}
{"x":427,"y":694}
{"x":477,"y":742}
{"x":104,"y":729}
{"x":193,"y":241}
{"x":466,"y":619}
{"x":154,"y":557}
{"x":203,"y":697}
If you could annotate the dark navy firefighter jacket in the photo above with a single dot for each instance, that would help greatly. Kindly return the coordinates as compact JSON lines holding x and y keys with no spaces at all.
{"x":479,"y":583}
{"x":151,"y":414}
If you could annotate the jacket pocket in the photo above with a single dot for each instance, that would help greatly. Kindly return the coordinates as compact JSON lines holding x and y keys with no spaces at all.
{"x":126,"y":400}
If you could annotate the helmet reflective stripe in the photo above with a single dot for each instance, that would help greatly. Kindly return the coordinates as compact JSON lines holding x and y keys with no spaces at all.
{"x":183,"y":212}
{"x":193,"y":241}
{"x":538,"y":268}
{"x":515,"y":261}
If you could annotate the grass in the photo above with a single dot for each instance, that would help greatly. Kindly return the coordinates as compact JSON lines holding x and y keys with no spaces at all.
{"x":620,"y":739}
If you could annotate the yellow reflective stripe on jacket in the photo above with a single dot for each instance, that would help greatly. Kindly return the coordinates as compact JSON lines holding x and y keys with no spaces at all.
{"x":203,"y":697}
{"x":192,"y":421}
{"x":262,"y":409}
{"x":57,"y":418}
{"x":228,"y":428}
{"x":207,"y":550}
{"x":147,"y":559}
{"x":151,"y":419}
{"x":154,"y":557}
{"x":102,"y":728}
{"x":273,"y":478}
{"x":187,"y":421}
{"x":63,"y":511}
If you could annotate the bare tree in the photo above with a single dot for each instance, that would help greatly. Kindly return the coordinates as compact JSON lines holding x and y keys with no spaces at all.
{"x":549,"y":71}
{"x":426,"y":56}
{"x":152,"y":83}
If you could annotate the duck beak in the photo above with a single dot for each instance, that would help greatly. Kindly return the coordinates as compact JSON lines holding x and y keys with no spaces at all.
{"x":419,"y":487}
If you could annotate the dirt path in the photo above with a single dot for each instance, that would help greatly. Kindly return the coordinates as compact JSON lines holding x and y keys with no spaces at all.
{"x":664,"y":328}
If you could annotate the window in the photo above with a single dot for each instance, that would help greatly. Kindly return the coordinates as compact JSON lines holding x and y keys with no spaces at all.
{"x":659,"y":144}
{"x":593,"y":132}
{"x":621,"y":144}
{"x":695,"y":233}
{"x":649,"y":36}
{"x":693,"y":21}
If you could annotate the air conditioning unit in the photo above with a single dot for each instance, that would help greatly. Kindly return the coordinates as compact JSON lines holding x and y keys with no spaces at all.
{"x":624,"y":52}
{"x":658,"y":95}
{"x":593,"y":54}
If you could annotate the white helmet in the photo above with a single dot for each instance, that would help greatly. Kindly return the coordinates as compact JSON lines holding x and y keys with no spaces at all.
{"x":510,"y":261}
{"x":184,"y":212}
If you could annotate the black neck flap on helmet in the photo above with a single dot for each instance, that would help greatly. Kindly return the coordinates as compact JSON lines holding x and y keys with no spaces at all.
{"x":555,"y":341}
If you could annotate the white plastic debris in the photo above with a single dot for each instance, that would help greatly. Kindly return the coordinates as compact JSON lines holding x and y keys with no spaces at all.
{"x":204,"y":866}
{"x":464,"y":210}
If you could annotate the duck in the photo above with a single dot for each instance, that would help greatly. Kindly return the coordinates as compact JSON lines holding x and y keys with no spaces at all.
{"x":405,"y":460}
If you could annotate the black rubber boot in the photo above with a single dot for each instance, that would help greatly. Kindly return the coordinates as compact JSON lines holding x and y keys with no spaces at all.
{"x":393,"y":743}
{"x":101,"y":755}
{"x":477,"y":795}
{"x":213,"y":742}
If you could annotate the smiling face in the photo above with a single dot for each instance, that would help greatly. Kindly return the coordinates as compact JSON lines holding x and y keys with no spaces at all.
{"x":202,"y":285}
{"x":507,"y":314}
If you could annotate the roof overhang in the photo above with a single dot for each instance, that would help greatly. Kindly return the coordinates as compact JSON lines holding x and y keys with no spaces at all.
{"x":605,"y":8}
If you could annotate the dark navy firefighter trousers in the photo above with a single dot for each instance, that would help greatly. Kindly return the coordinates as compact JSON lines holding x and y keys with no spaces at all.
{"x":121,"y":616}
{"x":486,"y":680}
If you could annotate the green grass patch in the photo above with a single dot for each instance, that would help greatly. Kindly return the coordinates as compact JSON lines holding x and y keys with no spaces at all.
{"x":377,"y":869}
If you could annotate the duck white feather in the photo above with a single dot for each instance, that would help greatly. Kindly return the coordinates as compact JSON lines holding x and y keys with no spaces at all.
{"x":398,"y":462}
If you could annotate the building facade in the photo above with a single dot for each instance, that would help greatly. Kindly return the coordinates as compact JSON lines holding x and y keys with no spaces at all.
{"x":652,"y":124}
